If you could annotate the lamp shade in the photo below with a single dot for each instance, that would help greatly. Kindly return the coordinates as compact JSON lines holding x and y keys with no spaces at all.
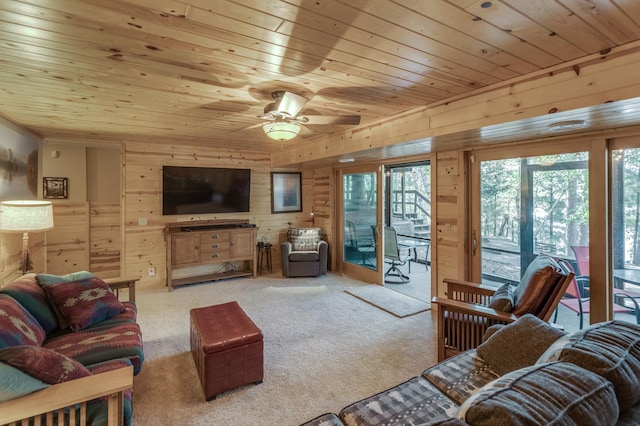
{"x":26,"y":216}
{"x":281,"y":130}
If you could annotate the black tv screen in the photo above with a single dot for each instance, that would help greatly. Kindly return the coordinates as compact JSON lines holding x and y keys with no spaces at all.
{"x":196,"y":190}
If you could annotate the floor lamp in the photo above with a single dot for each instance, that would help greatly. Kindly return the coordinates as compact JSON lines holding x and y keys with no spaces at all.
{"x":26,"y":216}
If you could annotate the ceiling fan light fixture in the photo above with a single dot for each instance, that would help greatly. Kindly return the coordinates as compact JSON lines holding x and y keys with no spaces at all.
{"x":281,"y":130}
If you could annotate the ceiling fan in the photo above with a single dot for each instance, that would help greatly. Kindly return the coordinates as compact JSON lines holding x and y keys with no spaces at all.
{"x":284,"y":123}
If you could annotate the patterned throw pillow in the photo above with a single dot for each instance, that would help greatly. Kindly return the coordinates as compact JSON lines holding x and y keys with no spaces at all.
{"x":304,"y":239}
{"x":34,"y":299}
{"x":84,"y":302}
{"x":17,"y":325}
{"x":50,"y":279}
{"x":43,"y":364}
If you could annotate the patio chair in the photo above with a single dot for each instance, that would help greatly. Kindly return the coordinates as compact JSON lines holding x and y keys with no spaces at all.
{"x":363,"y":249}
{"x":393,"y":257}
{"x":470,"y":308}
{"x":577,"y":296}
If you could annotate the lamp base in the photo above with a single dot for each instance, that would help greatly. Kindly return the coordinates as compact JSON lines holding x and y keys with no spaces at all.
{"x":27,"y":262}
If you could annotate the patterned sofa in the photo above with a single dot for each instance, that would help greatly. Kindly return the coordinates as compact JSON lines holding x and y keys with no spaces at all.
{"x":71,"y":332}
{"x":525,"y":373}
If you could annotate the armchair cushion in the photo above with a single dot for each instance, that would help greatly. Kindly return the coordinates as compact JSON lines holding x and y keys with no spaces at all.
{"x":304,"y":256}
{"x":502,"y":299}
{"x":305,"y":239}
{"x":540,"y":277}
{"x":518,"y":344}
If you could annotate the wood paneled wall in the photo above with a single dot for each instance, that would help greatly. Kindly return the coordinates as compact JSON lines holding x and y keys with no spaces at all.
{"x":144,"y":245}
{"x":448,"y":243}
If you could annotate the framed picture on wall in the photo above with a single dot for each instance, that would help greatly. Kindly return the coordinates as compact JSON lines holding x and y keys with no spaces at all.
{"x":286,"y":192}
{"x":55,"y":187}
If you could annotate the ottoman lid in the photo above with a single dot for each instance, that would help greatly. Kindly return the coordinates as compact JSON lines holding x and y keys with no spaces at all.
{"x":225,"y":326}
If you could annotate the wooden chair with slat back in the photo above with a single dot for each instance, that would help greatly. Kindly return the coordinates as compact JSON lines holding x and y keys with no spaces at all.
{"x":464,"y":314}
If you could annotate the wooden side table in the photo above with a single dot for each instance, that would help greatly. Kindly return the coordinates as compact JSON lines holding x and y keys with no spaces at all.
{"x":264,"y":256}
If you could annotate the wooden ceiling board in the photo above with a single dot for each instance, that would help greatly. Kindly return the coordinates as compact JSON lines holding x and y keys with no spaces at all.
{"x":202,"y":71}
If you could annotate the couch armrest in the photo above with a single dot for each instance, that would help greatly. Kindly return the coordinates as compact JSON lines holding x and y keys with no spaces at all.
{"x":323,"y":253}
{"x":73,"y":396}
{"x":119,"y":283}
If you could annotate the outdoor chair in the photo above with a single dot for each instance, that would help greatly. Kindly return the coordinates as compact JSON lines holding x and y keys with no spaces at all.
{"x":304,"y":254}
{"x":393,"y":257}
{"x":362,"y":249}
{"x":469,"y":309}
{"x":577,"y":296}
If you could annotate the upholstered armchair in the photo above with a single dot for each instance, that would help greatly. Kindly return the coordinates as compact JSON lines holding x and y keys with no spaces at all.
{"x":304,"y":254}
{"x":470,"y":309}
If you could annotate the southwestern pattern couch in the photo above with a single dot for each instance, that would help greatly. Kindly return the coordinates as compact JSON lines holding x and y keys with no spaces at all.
{"x":56,"y":329}
{"x":525,"y":373}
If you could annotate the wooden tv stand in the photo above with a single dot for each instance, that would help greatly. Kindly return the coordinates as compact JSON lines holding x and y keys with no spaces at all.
{"x":208,"y":242}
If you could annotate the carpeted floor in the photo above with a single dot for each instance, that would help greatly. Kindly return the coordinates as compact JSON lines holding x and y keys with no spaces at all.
{"x":388,"y":300}
{"x":324,"y":349}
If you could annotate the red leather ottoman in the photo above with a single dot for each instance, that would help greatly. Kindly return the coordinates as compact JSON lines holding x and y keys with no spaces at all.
{"x":227,"y":348}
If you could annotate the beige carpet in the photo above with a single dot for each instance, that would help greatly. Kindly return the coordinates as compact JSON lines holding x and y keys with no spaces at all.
{"x":391,"y":301}
{"x":324,"y":349}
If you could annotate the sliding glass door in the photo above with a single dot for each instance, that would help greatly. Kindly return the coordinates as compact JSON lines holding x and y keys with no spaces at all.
{"x":625,"y":203}
{"x":360,"y":222}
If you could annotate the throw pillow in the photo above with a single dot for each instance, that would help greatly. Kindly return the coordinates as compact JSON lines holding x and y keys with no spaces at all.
{"x":558,"y":393}
{"x":304,"y":239}
{"x":518,"y":344}
{"x":43,"y":364}
{"x":611,"y":350}
{"x":84,"y":302}
{"x":14,"y":383}
{"x":33,"y":298}
{"x":502,"y":299}
{"x":17,"y":325}
{"x":50,"y":279}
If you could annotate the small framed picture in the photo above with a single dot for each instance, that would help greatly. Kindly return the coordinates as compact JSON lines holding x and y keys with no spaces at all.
{"x":286,"y":192}
{"x":55,"y":187}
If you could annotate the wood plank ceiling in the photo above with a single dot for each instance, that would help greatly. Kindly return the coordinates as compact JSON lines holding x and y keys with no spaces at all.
{"x":202,"y":71}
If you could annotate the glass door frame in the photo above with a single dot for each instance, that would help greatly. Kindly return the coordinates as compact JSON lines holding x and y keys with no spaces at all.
{"x":599,"y":223}
{"x":359,"y":272}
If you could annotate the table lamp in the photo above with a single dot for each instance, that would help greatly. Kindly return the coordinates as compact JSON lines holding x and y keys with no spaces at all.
{"x":26,"y":216}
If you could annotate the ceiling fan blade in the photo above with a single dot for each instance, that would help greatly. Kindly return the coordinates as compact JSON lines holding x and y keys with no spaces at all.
{"x":350,"y":120}
{"x":287,"y":103}
{"x":254,"y":126}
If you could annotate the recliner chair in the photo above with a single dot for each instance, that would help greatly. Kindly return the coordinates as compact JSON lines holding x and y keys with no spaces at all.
{"x":304,"y":254}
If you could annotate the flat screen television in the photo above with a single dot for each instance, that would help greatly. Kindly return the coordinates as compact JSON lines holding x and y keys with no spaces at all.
{"x":198,"y":190}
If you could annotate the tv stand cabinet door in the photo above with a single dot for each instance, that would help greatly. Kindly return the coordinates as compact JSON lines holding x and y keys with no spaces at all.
{"x":185,"y":248}
{"x":243,"y":243}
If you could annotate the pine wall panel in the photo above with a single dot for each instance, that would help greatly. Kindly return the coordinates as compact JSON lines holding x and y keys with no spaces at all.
{"x":448,"y":242}
{"x":105,"y":239}
{"x":68,"y":242}
{"x":144,"y":245}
